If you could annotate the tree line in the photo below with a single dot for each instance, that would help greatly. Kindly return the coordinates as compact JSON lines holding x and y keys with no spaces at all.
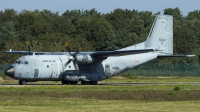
{"x":91,"y":30}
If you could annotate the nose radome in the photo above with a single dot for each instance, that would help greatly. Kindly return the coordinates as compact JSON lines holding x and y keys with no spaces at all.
{"x":10,"y":71}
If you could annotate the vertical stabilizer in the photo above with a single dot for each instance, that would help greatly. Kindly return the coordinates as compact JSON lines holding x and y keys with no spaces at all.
{"x":161,"y":34}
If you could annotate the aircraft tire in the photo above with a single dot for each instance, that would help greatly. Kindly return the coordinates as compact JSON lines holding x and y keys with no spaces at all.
{"x":64,"y":82}
{"x":93,"y":82}
{"x":22,"y":82}
{"x":73,"y":82}
{"x":89,"y":82}
{"x":85,"y":82}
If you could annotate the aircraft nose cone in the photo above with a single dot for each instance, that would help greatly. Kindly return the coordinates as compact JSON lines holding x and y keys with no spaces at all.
{"x":10,"y":71}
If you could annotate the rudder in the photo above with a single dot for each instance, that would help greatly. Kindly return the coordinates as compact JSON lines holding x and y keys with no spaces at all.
{"x":161,"y":34}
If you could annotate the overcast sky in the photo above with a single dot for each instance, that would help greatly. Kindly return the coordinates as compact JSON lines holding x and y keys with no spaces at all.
{"x":103,"y":6}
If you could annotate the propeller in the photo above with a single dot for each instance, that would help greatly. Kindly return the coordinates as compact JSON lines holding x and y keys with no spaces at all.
{"x":72,"y":57}
{"x":28,"y":43}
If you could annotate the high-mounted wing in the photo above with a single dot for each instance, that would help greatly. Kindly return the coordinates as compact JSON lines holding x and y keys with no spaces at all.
{"x":99,"y":56}
{"x":90,"y":57}
{"x":93,"y":54}
{"x":24,"y":52}
{"x":85,"y":57}
{"x":120,"y":53}
{"x":34,"y":53}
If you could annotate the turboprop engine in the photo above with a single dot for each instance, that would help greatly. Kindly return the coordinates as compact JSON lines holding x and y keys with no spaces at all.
{"x":83,"y":58}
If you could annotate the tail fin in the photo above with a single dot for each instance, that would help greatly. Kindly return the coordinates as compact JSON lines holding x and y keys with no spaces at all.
{"x":161,"y":34}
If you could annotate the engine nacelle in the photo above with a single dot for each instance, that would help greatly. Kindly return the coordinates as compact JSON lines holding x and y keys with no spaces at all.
{"x":70,"y":75}
{"x":84,"y":58}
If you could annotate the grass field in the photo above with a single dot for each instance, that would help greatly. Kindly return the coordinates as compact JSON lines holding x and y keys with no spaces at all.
{"x":109,"y":98}
{"x":91,"y":105}
{"x":100,"y":98}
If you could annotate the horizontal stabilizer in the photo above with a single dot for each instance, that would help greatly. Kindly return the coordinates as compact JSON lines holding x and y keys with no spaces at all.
{"x":174,"y":56}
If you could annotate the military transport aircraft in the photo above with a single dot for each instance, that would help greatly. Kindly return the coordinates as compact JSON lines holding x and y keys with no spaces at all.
{"x":91,"y":67}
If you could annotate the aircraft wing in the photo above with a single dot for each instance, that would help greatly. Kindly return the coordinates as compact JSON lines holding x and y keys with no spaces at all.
{"x":173,"y":56}
{"x":35,"y":53}
{"x":24,"y":52}
{"x":99,"y":56}
{"x":93,"y":54}
{"x":120,"y":53}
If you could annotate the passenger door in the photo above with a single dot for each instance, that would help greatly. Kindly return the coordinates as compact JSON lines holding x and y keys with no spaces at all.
{"x":107,"y":71}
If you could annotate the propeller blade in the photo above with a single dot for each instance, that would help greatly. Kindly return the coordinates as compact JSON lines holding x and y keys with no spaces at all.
{"x":28,"y":43}
{"x":75,"y":65}
{"x":67,"y":62}
{"x":68,"y":49}
{"x":29,"y":50}
{"x":74,"y":55}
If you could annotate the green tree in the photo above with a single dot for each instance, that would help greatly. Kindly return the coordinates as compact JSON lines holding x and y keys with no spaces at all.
{"x":8,"y":33}
{"x":99,"y":31}
{"x":47,"y":14}
{"x":193,"y":15}
{"x":7,"y":15}
{"x":175,"y":12}
{"x":9,"y":40}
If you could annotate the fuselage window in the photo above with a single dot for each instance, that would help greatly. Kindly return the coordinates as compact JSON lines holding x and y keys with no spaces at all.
{"x":26,"y":62}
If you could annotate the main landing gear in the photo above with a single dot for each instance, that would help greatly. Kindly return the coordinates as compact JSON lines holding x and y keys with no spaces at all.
{"x":82,"y":82}
{"x":69,"y":82}
{"x":89,"y":82}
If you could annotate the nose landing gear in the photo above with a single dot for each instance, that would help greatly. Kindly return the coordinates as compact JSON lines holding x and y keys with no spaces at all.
{"x":22,"y":82}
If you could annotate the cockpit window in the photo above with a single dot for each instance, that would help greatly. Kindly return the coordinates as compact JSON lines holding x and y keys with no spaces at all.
{"x":17,"y":62}
{"x":22,"y":62}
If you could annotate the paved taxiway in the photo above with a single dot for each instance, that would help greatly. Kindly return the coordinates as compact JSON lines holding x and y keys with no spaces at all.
{"x":104,"y":84}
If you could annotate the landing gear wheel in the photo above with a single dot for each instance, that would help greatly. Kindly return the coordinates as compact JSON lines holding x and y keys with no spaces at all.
{"x":93,"y":82}
{"x":64,"y":82}
{"x":69,"y":82}
{"x":85,"y":82}
{"x":73,"y":82}
{"x":22,"y":82}
{"x":89,"y":82}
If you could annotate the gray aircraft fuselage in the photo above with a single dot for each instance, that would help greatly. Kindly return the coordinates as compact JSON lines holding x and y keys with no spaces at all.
{"x":52,"y":67}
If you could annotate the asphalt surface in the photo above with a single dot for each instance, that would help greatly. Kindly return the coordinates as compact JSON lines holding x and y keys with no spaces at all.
{"x":104,"y":84}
